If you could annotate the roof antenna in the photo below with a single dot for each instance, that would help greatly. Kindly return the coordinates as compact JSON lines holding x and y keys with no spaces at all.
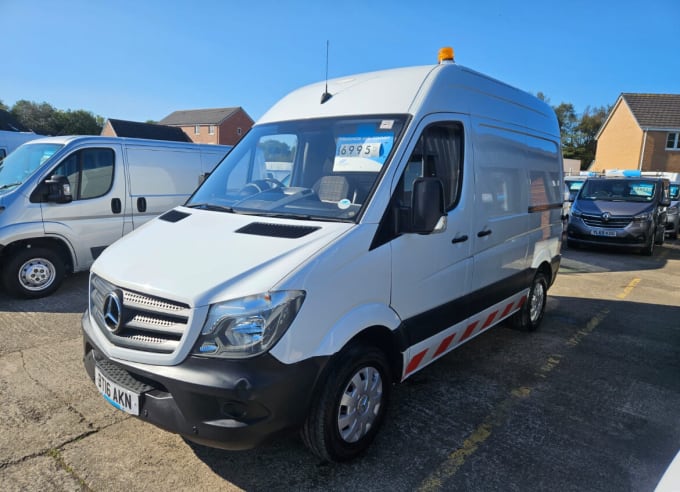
{"x":326,"y":96}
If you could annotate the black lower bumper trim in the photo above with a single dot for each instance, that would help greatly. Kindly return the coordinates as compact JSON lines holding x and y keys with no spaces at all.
{"x":225,"y":404}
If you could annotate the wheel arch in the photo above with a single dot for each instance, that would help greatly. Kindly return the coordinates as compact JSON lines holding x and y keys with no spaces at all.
{"x":54,"y":244}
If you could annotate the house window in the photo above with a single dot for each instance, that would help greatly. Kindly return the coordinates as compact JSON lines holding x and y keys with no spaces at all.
{"x":238,"y":131}
{"x":673,"y":141}
{"x":211,"y":129}
{"x":197,"y":129}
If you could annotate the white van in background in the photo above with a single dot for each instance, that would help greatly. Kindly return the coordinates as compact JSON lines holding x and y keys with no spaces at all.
{"x":355,"y":235}
{"x":64,"y":199}
{"x":11,"y":140}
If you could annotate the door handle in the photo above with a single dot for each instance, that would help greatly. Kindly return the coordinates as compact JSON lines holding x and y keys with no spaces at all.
{"x":459,"y":239}
{"x":116,"y":205}
{"x":486,"y":232}
{"x":141,"y":204}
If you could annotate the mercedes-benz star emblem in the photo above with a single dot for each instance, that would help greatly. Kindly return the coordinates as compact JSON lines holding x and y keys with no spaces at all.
{"x":606,"y":216}
{"x":113,"y":312}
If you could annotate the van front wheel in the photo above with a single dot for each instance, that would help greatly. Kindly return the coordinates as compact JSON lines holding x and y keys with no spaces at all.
{"x":350,"y":405}
{"x":529,"y":316}
{"x":33,"y":273}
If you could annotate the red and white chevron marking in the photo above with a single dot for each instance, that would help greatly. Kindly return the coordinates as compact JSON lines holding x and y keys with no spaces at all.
{"x":421,"y":354}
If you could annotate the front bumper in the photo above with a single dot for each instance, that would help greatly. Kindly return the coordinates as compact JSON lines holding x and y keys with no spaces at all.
{"x":228,"y":404}
{"x":634,"y":235}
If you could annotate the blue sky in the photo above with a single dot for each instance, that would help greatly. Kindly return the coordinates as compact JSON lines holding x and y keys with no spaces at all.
{"x":143,"y":59}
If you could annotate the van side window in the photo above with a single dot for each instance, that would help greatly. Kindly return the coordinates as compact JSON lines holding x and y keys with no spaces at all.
{"x":544,"y":190}
{"x":89,"y":172}
{"x":500,"y":191}
{"x":438,"y":153}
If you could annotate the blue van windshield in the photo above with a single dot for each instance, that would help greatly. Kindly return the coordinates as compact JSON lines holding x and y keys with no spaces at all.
{"x":313,"y":169}
{"x":23,"y":162}
{"x":675,"y":192}
{"x":619,"y":190}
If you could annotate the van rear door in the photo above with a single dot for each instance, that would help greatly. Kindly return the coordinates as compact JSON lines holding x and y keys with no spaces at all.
{"x":94,"y":219}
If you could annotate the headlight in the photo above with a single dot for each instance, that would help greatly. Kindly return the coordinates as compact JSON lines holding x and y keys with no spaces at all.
{"x":575,"y":212}
{"x":643,"y":217}
{"x":248,"y":326}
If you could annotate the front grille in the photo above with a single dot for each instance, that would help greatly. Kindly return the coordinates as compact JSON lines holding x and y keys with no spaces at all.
{"x":612,"y":223}
{"x":138,"y":321}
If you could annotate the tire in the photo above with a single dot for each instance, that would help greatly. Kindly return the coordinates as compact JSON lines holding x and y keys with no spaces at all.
{"x":530,"y":315}
{"x":648,"y":250}
{"x":661,"y":235}
{"x":674,"y":231}
{"x":350,"y":405}
{"x":33,"y":273}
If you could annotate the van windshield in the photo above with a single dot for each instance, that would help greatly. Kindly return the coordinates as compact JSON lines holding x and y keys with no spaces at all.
{"x":618,"y":190}
{"x":23,"y":162}
{"x":313,"y":169}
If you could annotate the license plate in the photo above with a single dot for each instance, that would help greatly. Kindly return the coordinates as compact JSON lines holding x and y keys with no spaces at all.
{"x":121,"y":398}
{"x":603,"y":232}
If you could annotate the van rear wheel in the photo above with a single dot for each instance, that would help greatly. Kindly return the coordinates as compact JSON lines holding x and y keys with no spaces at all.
{"x":350,"y":406}
{"x":530,"y":315}
{"x":33,"y":273}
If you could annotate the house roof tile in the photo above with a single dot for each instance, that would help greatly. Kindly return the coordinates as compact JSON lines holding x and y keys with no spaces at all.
{"x":199,"y":116}
{"x":654,"y":110}
{"x":135,"y":129}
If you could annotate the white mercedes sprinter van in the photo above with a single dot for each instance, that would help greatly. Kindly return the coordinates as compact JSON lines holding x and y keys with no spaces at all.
{"x":357,"y":234}
{"x":64,"y":199}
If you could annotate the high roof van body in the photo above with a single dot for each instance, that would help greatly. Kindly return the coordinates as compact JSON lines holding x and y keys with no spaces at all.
{"x":10,"y":140}
{"x":364,"y":228}
{"x":63,"y":200}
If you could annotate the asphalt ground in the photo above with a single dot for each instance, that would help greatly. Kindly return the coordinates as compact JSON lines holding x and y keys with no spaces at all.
{"x":591,"y":401}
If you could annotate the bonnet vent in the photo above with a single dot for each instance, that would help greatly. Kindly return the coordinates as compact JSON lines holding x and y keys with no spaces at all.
{"x":174,"y":216}
{"x":277,"y":230}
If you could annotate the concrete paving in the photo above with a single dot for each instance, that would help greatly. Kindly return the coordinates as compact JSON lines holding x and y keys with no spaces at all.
{"x":591,"y":401}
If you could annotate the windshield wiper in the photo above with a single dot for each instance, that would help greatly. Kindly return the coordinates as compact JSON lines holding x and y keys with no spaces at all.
{"x":289,"y":215}
{"x":211,"y":206}
{"x":5,"y":186}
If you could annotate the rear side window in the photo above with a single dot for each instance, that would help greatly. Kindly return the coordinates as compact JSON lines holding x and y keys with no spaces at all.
{"x":89,"y":172}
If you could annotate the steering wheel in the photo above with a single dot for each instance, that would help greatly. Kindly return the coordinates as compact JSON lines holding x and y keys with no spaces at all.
{"x":260,"y":185}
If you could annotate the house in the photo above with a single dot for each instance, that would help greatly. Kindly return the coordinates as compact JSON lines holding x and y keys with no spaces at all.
{"x":134,"y":129}
{"x":642,"y":131}
{"x":224,"y":126}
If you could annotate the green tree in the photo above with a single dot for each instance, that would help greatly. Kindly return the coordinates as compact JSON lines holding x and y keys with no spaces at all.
{"x":77,"y":122}
{"x":44,"y":119}
{"x":584,"y":134}
{"x":39,"y":118}
{"x":3,"y":106}
{"x":578,"y":132}
{"x":275,"y":150}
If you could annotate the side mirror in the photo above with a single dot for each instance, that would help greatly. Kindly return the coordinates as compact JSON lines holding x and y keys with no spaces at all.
{"x":58,"y":189}
{"x":427,"y":205}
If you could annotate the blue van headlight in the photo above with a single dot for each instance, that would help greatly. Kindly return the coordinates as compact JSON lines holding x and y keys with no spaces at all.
{"x":643,"y":217}
{"x":248,"y":326}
